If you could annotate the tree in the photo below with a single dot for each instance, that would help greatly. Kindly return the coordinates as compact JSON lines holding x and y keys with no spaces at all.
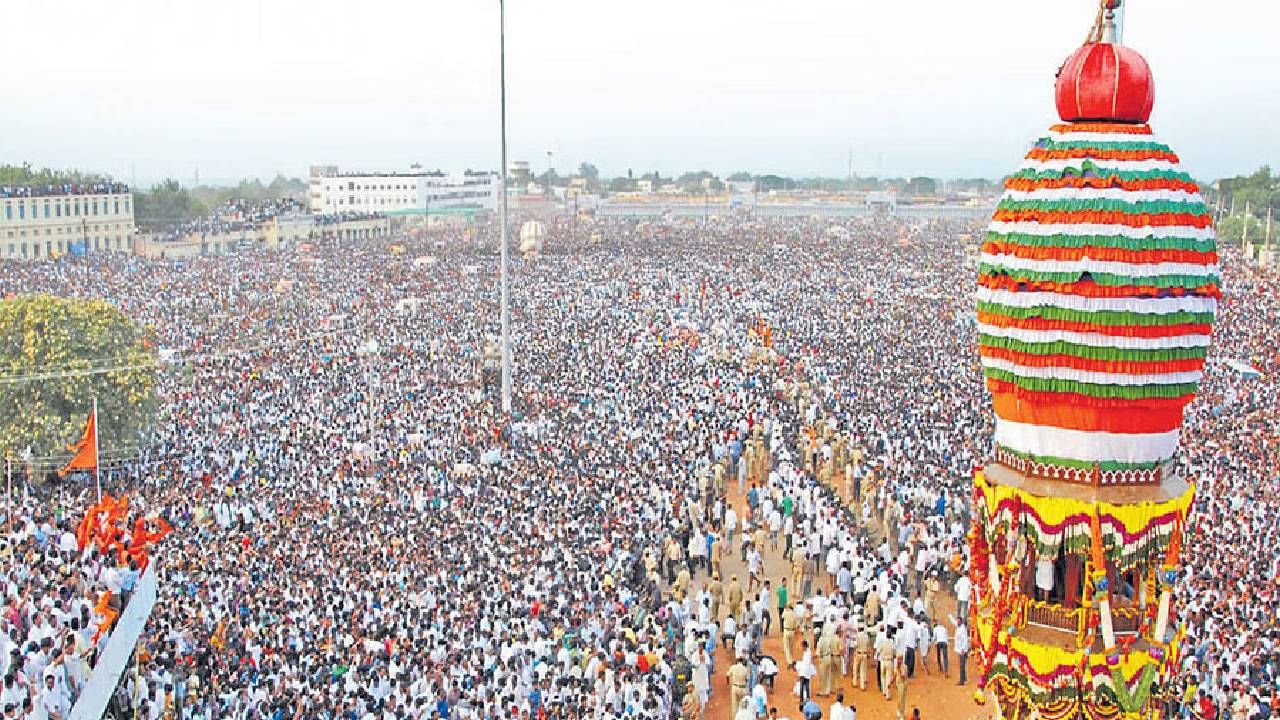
{"x":622,"y":185}
{"x":167,"y":203}
{"x":1231,"y":230}
{"x":1259,"y":190}
{"x":692,"y":181}
{"x":25,"y":175}
{"x":589,"y":171}
{"x":775,"y":182}
{"x":741,"y":176}
{"x":550,"y":179}
{"x":53,"y":341}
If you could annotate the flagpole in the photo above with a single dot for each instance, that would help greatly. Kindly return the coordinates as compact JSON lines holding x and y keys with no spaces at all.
{"x":505,"y":315}
{"x":97,"y":471}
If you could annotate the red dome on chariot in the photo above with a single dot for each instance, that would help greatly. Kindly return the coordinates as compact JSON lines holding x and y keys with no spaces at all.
{"x":1105,"y":82}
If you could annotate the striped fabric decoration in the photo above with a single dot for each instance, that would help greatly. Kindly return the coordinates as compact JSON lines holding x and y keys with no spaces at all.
{"x":1098,"y":286}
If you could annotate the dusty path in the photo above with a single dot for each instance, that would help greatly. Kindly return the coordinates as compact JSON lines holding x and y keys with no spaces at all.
{"x":936,"y":697}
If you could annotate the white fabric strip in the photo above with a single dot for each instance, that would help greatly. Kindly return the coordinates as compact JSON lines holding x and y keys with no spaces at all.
{"x":1087,"y":446}
{"x":1087,"y":229}
{"x":1095,"y":339}
{"x":1109,"y":267}
{"x":1086,"y":376}
{"x":1102,"y":138}
{"x":1145,"y":306}
{"x":1071,"y":194}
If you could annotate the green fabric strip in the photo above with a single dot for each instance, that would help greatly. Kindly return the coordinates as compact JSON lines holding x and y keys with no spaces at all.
{"x":1102,"y":172}
{"x":1141,"y":207}
{"x":1104,"y":241}
{"x":1096,"y":390}
{"x":1107,"y":466}
{"x":1101,"y":145}
{"x":1117,"y":354}
{"x":1112,"y":318}
{"x":1106,"y":279}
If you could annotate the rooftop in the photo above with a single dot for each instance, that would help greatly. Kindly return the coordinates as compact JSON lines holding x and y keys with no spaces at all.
{"x":28,"y":191}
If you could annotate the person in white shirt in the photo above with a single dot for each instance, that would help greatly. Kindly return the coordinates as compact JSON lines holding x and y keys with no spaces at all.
{"x":54,"y":700}
{"x":961,"y":645}
{"x":940,"y":639}
{"x":839,"y":711}
{"x":963,"y":588}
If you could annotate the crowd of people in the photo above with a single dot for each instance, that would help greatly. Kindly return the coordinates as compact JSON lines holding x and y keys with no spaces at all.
{"x":233,"y":216}
{"x":59,"y":600}
{"x":361,"y":532}
{"x":88,"y":188}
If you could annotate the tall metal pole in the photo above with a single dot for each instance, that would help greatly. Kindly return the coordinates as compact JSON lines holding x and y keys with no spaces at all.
{"x":97,"y":470}
{"x":506,"y":314}
{"x":1244,"y":239}
{"x":1267,"y":244}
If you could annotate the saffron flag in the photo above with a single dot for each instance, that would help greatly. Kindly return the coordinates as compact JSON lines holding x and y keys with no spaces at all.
{"x":86,"y":450}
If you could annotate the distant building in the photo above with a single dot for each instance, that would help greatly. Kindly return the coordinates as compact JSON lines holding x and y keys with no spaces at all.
{"x":54,"y":220}
{"x":519,"y":172}
{"x":884,"y":202}
{"x":269,"y":234}
{"x":331,"y":191}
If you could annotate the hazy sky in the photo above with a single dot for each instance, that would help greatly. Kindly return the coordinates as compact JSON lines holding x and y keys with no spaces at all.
{"x":940,"y":87}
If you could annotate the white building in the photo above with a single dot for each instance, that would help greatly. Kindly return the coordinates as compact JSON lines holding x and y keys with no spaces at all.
{"x":332,"y":192}
{"x":53,"y":220}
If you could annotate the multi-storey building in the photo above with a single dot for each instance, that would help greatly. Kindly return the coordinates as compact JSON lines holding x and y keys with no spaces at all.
{"x":52,"y":220}
{"x":332,"y":191}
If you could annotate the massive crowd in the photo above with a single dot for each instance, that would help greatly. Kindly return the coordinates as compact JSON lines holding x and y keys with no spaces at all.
{"x":22,"y":191}
{"x":233,"y":216}
{"x":361,"y":533}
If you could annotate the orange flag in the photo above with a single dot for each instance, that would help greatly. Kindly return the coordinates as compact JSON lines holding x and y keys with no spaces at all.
{"x":86,"y":450}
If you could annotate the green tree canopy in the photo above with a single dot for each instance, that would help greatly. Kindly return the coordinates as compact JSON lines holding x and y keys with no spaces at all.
{"x":166,"y":203}
{"x":1230,"y":230}
{"x":26,"y":175}
{"x":48,"y":346}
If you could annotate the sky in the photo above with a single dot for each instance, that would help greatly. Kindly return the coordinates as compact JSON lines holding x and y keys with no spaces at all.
{"x":147,"y":89}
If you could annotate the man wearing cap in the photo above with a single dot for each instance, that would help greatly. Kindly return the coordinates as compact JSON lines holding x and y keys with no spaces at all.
{"x":715,"y":589}
{"x":826,"y":659}
{"x":861,"y":652}
{"x":790,"y":623}
{"x":885,"y":654}
{"x":737,"y":675}
{"x":691,"y":705}
{"x":733,"y":597}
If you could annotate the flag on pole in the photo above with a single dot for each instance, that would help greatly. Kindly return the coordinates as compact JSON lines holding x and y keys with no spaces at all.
{"x":86,"y":450}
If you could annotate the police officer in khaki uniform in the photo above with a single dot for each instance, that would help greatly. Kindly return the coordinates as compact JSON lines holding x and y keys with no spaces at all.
{"x":715,"y":588}
{"x":932,"y":587}
{"x":682,"y":582}
{"x":733,"y":597}
{"x":885,"y":654}
{"x":861,"y":652}
{"x":790,"y":624}
{"x":737,"y":676}
{"x":691,"y":706}
{"x":900,"y":684}
{"x":827,"y":649}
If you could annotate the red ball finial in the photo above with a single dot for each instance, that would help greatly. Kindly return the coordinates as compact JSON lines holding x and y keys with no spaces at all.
{"x":1105,"y":82}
